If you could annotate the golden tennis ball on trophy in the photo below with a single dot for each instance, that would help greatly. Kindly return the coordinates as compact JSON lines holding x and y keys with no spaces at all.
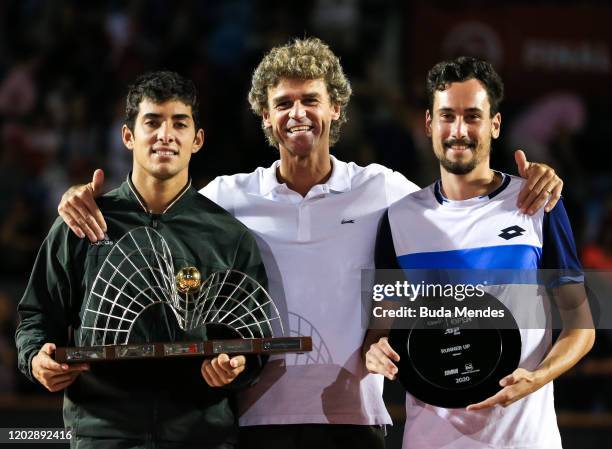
{"x":188,"y":280}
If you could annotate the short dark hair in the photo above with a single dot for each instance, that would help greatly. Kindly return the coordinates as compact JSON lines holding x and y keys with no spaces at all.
{"x":159,"y":87}
{"x":465,"y":68}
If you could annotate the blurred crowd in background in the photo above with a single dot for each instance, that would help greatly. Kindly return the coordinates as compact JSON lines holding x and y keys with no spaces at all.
{"x":65,"y":67}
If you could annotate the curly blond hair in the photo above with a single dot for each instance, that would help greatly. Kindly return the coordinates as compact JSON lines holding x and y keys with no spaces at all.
{"x":305,"y":59}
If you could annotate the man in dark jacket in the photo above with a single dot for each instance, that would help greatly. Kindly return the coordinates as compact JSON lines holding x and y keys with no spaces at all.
{"x":153,"y":403}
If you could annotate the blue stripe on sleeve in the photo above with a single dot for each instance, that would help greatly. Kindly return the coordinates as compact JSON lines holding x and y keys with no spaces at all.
{"x":384,"y":252}
{"x":559,"y":248}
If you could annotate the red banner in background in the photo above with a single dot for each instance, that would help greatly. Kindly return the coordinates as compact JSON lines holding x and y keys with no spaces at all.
{"x":536,"y":49}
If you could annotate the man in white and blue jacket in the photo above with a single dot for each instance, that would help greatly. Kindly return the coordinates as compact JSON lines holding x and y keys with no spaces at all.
{"x":467,"y":221}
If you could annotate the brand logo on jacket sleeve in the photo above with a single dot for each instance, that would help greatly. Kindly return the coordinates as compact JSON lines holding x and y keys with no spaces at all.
{"x":104,"y":242}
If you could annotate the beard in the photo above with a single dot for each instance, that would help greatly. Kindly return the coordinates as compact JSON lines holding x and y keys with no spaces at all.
{"x":456,"y":167}
{"x":459,"y":167}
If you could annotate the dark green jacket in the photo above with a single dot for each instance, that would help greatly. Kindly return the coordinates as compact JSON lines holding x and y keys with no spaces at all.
{"x":153,"y":401}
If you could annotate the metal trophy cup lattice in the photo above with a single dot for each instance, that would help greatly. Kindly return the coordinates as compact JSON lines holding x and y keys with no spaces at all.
{"x":140,"y":307}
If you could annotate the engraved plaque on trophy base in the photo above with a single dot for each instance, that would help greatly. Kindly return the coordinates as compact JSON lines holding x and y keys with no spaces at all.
{"x":208,"y":348}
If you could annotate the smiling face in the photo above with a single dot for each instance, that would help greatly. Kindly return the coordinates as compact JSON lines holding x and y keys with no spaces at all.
{"x":461,"y":126}
{"x":299,"y":116}
{"x":163,"y":139}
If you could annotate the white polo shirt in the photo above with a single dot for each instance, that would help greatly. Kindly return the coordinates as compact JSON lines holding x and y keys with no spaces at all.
{"x":314,"y":249}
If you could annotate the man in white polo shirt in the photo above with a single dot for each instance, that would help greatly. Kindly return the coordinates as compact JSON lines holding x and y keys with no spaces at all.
{"x":315,"y":219}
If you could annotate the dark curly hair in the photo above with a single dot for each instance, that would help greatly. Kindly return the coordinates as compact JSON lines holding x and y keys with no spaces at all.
{"x":462,"y":69}
{"x":159,"y":87}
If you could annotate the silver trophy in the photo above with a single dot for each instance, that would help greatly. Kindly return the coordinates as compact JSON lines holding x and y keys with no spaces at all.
{"x":142,"y":306}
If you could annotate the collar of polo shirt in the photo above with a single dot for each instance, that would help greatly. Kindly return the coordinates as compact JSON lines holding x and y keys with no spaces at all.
{"x":338,"y":182}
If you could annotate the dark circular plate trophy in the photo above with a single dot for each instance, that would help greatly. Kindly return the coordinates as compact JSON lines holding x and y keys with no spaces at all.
{"x":450,"y":362}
